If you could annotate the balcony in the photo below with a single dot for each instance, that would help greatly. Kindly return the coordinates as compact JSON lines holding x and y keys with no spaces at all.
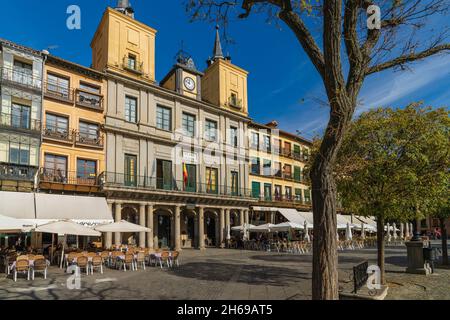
{"x":234,"y":102}
{"x":135,"y":66}
{"x":67,"y":181}
{"x":88,"y":140}
{"x":119,"y":180}
{"x":17,"y":172}
{"x":283,"y":199}
{"x":60,"y":93}
{"x":286,"y":152}
{"x":89,"y":100}
{"x":20,"y":123}
{"x":19,"y":78}
{"x":52,"y":133}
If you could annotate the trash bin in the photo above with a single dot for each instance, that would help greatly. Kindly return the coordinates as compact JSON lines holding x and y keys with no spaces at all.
{"x":430,"y":255}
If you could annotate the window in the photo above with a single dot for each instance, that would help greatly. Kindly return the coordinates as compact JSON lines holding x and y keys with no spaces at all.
{"x":58,"y":85}
{"x":190,"y":177}
{"x":288,"y":193}
{"x":234,"y":136}
{"x":130,"y":109}
{"x":164,"y":177}
{"x":20,"y":116}
{"x":277,"y":169}
{"x":55,"y":168}
{"x":188,"y":123}
{"x":89,"y":95}
{"x":288,"y":171}
{"x":256,"y":189}
{"x":234,"y":183}
{"x":267,"y":167}
{"x":254,"y":143}
{"x":298,"y":174}
{"x":278,"y":194}
{"x":298,"y":195}
{"x":255,"y":166}
{"x":131,"y":62}
{"x":297,"y":151}
{"x":89,"y":131}
{"x":86,"y":169}
{"x":308,"y":196}
{"x":267,"y":192}
{"x":287,"y":149}
{"x":212,"y":180}
{"x":90,"y":87}
{"x":305,"y":154}
{"x":211,"y":130}
{"x":19,"y":154}
{"x":164,"y":118}
{"x":130,"y":170}
{"x":23,"y":72}
{"x":266,"y":144}
{"x":56,"y":123}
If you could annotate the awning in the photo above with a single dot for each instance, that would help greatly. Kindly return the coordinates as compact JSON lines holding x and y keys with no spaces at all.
{"x":17,"y":205}
{"x":12,"y":225}
{"x":297,"y":217}
{"x":265,"y":209}
{"x":287,"y":226}
{"x":88,"y":211}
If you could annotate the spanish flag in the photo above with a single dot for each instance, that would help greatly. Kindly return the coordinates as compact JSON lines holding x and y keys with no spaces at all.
{"x":185,"y":174}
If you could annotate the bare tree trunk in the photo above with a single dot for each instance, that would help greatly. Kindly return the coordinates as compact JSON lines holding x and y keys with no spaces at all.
{"x":380,"y":247}
{"x":444,"y":242}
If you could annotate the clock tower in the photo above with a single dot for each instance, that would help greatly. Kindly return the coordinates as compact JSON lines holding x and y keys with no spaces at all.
{"x":184,"y":77}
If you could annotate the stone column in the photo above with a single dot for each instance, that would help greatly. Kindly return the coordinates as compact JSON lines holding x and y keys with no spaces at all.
{"x":201,"y":228}
{"x":108,"y":236}
{"x":241,"y":217}
{"x":118,"y":218}
{"x":150,"y":226}
{"x":227,"y":224}
{"x":172,"y":231}
{"x":196,"y":233}
{"x":247,"y":217}
{"x":142,"y":223}
{"x":177,"y":218}
{"x":222,"y":228}
{"x":155,"y":233}
{"x":217,"y":224}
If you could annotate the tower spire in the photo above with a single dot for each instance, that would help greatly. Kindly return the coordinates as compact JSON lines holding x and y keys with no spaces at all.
{"x":217,"y":53}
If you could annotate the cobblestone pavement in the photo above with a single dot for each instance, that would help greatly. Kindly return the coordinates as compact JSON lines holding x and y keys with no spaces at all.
{"x":227,"y":275}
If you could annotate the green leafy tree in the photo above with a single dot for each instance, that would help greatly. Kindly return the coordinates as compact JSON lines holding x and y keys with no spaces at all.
{"x":335,"y":36}
{"x":442,"y":212}
{"x":392,"y":165}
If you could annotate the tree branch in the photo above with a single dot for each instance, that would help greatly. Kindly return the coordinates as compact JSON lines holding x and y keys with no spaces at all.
{"x":402,"y":60}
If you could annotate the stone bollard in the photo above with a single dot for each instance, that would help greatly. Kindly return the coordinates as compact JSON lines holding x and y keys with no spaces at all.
{"x":416,"y":261}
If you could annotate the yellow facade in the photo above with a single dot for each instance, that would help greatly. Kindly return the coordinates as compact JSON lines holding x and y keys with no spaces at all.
{"x":225,"y":85}
{"x":120,"y":37}
{"x":284,"y":168}
{"x":75,"y":106}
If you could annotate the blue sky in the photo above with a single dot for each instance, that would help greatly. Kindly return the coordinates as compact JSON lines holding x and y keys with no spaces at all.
{"x":283,"y":85}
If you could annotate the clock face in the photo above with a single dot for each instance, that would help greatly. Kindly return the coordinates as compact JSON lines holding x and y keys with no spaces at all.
{"x":189,"y":83}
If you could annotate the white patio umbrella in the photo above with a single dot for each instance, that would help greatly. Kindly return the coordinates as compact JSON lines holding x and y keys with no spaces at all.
{"x":122,"y":226}
{"x":287,"y":226}
{"x":13,"y":225}
{"x":305,"y":227}
{"x":348,"y":232}
{"x":411,"y":229}
{"x":242,"y":228}
{"x":228,"y":232}
{"x":66,"y":227}
{"x":388,"y":230}
{"x":406,"y":230}
{"x":262,"y":228}
{"x":402,"y":230}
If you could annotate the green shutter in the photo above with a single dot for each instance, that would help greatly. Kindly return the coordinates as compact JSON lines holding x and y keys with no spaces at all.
{"x":256,"y":189}
{"x":167,"y":175}
{"x":298,"y":194}
{"x":296,"y":149}
{"x":297,"y":174}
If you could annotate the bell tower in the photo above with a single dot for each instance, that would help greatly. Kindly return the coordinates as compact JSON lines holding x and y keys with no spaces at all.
{"x":124,"y":45}
{"x":225,"y":84}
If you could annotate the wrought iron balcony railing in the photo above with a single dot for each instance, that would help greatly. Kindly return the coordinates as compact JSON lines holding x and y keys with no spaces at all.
{"x":19,"y":77}
{"x":133,"y":65}
{"x":110,"y":179}
{"x":9,"y":171}
{"x":89,"y":99}
{"x":58,"y":92}
{"x":58,"y":134}
{"x":52,"y":176}
{"x":286,"y":198}
{"x":234,"y":102}
{"x":21,"y":123}
{"x":90,"y":140}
